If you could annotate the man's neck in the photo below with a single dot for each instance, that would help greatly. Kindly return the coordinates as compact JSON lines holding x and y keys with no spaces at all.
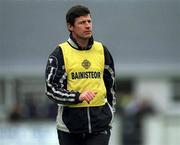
{"x":82,"y":42}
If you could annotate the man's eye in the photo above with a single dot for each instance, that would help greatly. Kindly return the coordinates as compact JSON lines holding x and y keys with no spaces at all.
{"x":81,"y":22}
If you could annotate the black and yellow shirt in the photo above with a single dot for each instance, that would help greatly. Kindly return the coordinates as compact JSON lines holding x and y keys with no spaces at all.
{"x":85,"y":72}
{"x":72,"y":70}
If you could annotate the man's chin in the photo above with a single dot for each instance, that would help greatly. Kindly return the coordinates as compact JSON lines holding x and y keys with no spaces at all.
{"x":85,"y":37}
{"x":88,"y":36}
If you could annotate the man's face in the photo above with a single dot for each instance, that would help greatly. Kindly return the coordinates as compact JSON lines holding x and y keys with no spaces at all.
{"x":82,"y":28}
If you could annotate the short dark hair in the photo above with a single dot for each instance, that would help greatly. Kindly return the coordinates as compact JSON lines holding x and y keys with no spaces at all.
{"x":76,"y":11}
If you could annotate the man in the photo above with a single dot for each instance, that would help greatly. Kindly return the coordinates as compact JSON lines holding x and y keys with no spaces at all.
{"x":80,"y":79}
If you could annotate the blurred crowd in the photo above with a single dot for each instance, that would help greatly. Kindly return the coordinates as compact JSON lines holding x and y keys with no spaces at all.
{"x":32,"y":110}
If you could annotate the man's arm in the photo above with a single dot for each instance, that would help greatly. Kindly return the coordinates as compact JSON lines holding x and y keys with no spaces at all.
{"x":109,"y":78}
{"x":56,"y":80}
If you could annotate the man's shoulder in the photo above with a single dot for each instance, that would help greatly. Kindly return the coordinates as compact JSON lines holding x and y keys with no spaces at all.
{"x":57,"y":50}
{"x":98,"y":43}
{"x":62,"y":43}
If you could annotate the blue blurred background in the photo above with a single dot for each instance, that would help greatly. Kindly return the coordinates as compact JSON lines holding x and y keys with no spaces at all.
{"x":143,"y":37}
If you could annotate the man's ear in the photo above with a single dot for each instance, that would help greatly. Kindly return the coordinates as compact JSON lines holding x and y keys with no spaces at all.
{"x":69,"y":27}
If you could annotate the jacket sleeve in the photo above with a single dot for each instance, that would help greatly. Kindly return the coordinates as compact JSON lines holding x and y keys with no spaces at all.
{"x":56,"y":80}
{"x":109,"y":78}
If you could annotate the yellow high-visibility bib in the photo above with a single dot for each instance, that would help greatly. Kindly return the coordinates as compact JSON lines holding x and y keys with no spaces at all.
{"x":85,"y":70}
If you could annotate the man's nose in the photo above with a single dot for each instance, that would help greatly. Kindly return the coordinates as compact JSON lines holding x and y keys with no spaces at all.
{"x":88,"y":24}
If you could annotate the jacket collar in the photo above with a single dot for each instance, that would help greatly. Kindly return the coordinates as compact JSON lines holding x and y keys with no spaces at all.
{"x":75,"y":45}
